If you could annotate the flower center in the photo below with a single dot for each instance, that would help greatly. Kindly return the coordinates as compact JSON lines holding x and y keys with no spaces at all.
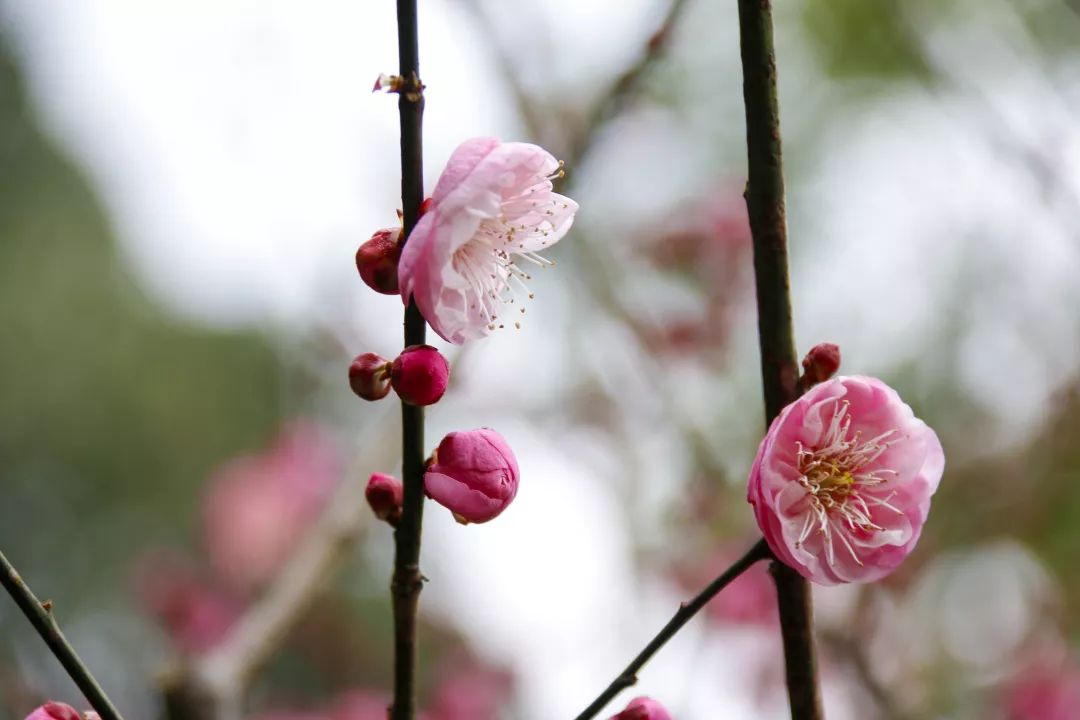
{"x":489,"y":260}
{"x":841,"y":486}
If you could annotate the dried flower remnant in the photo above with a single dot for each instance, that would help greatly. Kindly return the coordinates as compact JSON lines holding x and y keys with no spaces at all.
{"x":841,"y":483}
{"x":474,"y":474}
{"x":492,"y":208}
{"x":643,"y":708}
{"x":419,"y":375}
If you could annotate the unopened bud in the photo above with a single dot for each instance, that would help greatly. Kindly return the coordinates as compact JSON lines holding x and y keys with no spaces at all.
{"x":474,"y":475}
{"x":643,"y":708}
{"x":385,"y":494}
{"x":820,"y":364}
{"x":377,"y":261}
{"x":54,"y":711}
{"x":369,"y":376}
{"x":420,"y":374}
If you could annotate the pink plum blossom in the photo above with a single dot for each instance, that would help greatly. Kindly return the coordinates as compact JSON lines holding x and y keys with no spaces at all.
{"x":196,"y":615}
{"x":54,"y":711}
{"x":474,"y":474}
{"x":377,"y":261}
{"x":492,"y":207}
{"x":467,"y":689}
{"x":643,"y":708}
{"x":419,"y":375}
{"x":1044,"y":691}
{"x":259,"y":506}
{"x":360,"y":704}
{"x":841,"y":483}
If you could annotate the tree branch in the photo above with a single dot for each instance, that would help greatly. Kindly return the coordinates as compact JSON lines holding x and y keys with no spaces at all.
{"x":687,"y":610}
{"x":779,"y":371}
{"x":41,"y":617}
{"x":626,"y":86}
{"x":407,"y":580}
{"x":213,"y":685}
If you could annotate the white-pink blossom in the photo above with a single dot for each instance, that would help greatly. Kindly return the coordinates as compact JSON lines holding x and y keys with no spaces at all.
{"x":493,"y":211}
{"x":842,"y":481}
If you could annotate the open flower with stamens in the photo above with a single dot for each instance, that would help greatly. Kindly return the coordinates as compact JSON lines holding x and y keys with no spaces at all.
{"x":493,"y":211}
{"x":842,"y":481}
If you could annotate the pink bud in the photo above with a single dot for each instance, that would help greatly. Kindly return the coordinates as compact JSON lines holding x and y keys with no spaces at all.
{"x":820,"y":364}
{"x":377,"y":261}
{"x":369,"y":376}
{"x":426,"y":206}
{"x":643,"y":708}
{"x":419,"y":375}
{"x":385,"y":494}
{"x":54,"y":711}
{"x":473,"y":474}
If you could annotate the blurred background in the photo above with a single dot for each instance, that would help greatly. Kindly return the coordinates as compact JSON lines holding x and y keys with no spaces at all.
{"x":183,"y":186}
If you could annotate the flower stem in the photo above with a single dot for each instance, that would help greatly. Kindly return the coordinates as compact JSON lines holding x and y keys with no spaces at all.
{"x":779,"y":369}
{"x":41,"y":617}
{"x":407,"y":580}
{"x":687,"y":610}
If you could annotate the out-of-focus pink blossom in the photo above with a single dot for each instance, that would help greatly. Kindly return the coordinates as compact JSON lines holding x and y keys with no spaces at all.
{"x":259,"y":506}
{"x":1044,"y":691}
{"x":468,"y":690}
{"x":493,"y":205}
{"x":369,"y":376}
{"x":643,"y":708}
{"x":474,"y":475}
{"x":195,"y":615}
{"x":360,"y":705}
{"x":385,"y":494}
{"x":54,"y":711}
{"x":841,"y":483}
{"x":750,"y":599}
{"x":705,"y":247}
{"x":377,"y":260}
{"x":420,"y":374}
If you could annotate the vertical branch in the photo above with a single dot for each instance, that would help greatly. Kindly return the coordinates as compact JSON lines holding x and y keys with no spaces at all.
{"x":779,"y":371}
{"x":407,"y":580}
{"x":41,"y":617}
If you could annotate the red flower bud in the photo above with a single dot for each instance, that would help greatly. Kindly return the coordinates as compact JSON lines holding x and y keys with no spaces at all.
{"x":820,"y":364}
{"x":420,"y":374}
{"x":369,"y":376}
{"x":377,"y":261}
{"x":385,"y":494}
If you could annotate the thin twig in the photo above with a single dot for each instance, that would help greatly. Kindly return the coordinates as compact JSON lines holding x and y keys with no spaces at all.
{"x":213,"y":685}
{"x":407,"y":580}
{"x":779,"y":370}
{"x":41,"y":617}
{"x":627,"y":85}
{"x":687,"y":610}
